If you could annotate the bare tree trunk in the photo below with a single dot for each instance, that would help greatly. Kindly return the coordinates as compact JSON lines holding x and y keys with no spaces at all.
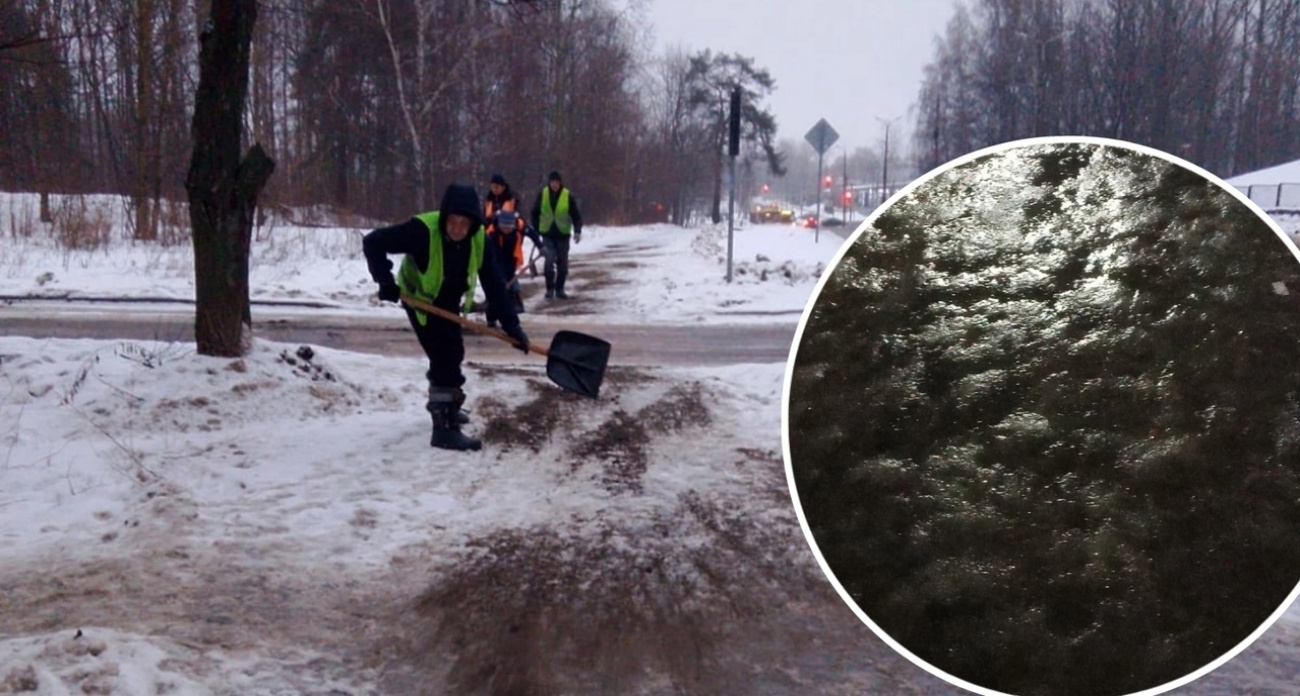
{"x":223,"y":189}
{"x":146,"y":123}
{"x":419,"y":160}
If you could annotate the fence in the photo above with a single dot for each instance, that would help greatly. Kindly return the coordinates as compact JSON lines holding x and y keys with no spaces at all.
{"x":1274,"y":196}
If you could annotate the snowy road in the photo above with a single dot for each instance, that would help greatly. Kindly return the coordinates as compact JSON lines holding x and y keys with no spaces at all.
{"x":702,"y":345}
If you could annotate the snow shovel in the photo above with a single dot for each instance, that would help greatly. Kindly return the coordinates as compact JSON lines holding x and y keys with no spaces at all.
{"x":575,"y":361}
{"x":531,"y":266}
{"x":532,"y":262}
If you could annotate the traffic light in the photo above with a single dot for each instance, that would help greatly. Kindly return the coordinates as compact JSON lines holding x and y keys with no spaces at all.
{"x":828,"y":181}
{"x":733,"y":135}
{"x":848,"y":196}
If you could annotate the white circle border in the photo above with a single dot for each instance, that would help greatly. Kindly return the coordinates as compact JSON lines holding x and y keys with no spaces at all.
{"x":812,"y":301}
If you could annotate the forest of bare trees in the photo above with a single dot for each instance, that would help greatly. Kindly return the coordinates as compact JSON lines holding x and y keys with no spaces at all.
{"x":368,"y":106}
{"x":371,"y":106}
{"x":1216,"y":82}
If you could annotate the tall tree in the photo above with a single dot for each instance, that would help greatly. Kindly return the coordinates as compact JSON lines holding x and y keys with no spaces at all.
{"x":712,"y":79}
{"x":37,"y":126}
{"x":223,"y":187}
{"x":674,"y":144}
{"x":146,"y":124}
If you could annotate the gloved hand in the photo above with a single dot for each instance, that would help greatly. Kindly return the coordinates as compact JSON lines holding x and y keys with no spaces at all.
{"x":389,"y":292}
{"x":521,"y":339}
{"x":577,"y":236}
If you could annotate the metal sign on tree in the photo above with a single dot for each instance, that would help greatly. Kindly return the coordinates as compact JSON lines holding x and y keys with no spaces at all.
{"x":821,"y":136}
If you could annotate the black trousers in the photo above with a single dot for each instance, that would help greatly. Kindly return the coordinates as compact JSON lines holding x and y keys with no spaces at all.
{"x":555,"y":248}
{"x":444,"y":345}
{"x":505,"y":264}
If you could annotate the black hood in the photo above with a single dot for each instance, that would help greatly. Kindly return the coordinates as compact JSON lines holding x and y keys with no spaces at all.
{"x":460,"y":199}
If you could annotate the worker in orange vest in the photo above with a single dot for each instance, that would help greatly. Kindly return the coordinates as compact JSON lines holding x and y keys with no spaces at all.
{"x":506,"y":229}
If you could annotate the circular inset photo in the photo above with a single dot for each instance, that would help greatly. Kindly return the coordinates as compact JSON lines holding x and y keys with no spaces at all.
{"x":1042,"y":420}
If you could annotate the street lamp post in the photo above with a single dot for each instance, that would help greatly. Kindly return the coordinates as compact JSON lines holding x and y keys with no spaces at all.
{"x":1042,"y":78}
{"x":884,"y":167}
{"x":884,"y":174}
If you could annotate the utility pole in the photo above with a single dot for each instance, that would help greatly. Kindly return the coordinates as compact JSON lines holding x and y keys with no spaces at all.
{"x":733,"y":149}
{"x":884,"y":175}
{"x":817,"y":228}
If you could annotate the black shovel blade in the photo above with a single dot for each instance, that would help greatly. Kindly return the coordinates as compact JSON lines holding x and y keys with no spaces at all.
{"x":577,"y":362}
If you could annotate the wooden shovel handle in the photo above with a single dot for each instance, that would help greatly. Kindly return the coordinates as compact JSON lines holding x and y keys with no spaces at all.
{"x":532,"y":259}
{"x":471,"y":325}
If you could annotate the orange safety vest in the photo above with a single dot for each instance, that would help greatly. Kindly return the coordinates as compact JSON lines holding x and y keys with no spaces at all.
{"x":490,"y":222}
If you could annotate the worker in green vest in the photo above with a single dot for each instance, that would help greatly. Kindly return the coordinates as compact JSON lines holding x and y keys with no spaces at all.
{"x":445,"y":258}
{"x":556,"y":217}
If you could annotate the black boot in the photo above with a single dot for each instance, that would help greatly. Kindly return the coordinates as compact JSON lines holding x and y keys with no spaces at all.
{"x":444,"y":407}
{"x":461,"y":416}
{"x":561,"y":275}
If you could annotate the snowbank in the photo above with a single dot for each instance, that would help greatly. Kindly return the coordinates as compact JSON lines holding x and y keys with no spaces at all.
{"x":642,"y":274}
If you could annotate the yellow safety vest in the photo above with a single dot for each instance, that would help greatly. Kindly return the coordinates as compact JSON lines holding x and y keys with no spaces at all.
{"x":425,"y":286}
{"x":559,"y":216}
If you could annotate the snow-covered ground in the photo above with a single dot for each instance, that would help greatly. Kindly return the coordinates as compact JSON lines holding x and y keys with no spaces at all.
{"x":178,"y":524}
{"x":675,"y":272}
{"x":1275,"y":188}
{"x":173,"y":523}
{"x":188,"y":514}
{"x":1285,"y":173}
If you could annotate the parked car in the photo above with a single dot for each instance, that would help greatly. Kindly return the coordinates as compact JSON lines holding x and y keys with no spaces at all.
{"x":832,"y":222}
{"x":810,"y":222}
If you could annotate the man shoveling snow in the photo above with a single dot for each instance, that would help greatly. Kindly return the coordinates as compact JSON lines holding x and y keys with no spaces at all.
{"x":445,"y":256}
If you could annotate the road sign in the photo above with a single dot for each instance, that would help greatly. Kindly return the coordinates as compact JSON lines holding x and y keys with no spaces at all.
{"x":822,"y":136}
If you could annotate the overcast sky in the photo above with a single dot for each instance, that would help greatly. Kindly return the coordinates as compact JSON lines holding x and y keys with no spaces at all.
{"x":848,"y":61}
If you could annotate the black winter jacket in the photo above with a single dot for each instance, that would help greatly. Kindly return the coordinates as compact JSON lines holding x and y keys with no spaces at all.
{"x":574,"y":213}
{"x":412,"y":238}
